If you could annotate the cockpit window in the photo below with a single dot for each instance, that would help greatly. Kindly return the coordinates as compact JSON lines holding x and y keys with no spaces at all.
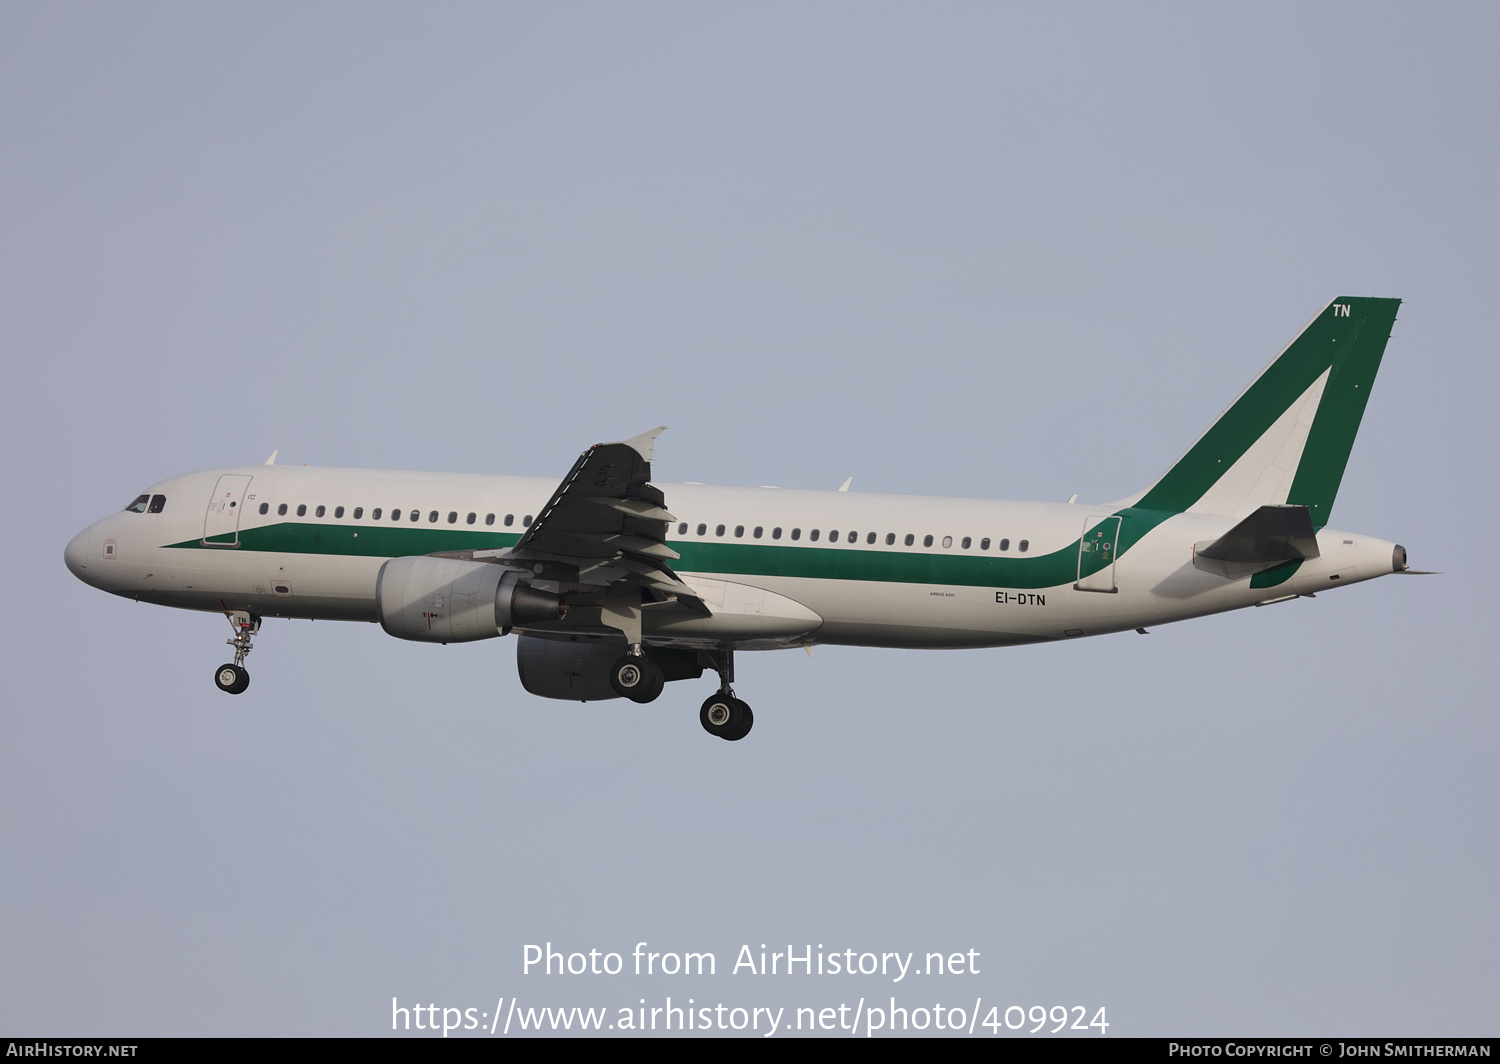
{"x":139,"y":506}
{"x":158,"y":504}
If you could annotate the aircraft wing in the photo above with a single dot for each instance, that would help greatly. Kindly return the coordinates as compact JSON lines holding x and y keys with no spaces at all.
{"x":605,"y":524}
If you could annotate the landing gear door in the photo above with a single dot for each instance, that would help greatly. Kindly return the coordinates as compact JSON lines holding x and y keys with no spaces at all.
{"x":221,"y":525}
{"x":1096,"y":554}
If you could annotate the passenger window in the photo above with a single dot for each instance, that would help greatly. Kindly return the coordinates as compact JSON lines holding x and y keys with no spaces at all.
{"x":984,"y":544}
{"x":396,"y":514}
{"x":320,"y":511}
{"x":796,"y":533}
{"x":489,"y":519}
{"x":159,"y":503}
{"x":702,"y":530}
{"x":510,"y":519}
{"x":1023,"y":545}
{"x":870,"y":538}
{"x":776,"y":532}
{"x":338,"y":511}
{"x":926,"y":541}
{"x":947,"y":541}
{"x":265,"y":507}
{"x":682,"y":529}
{"x":890,"y":539}
{"x":526,"y":520}
{"x":719,"y":531}
{"x":966,"y":542}
{"x":453,"y":517}
{"x":375,"y":514}
{"x":139,"y":505}
{"x":813,"y":535}
{"x":910,"y":539}
{"x":739,"y":531}
{"x":416,"y":515}
{"x":432,"y":517}
{"x":470,"y":519}
{"x":853,"y":537}
{"x":359,"y":511}
{"x":1005,"y":544}
{"x":758,"y":531}
{"x":302,"y":509}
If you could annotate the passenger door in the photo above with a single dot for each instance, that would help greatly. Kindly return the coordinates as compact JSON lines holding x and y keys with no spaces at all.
{"x":221,"y":525}
{"x":1096,"y":554}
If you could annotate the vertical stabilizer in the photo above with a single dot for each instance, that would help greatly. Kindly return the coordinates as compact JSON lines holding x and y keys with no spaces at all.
{"x":1286,"y":439}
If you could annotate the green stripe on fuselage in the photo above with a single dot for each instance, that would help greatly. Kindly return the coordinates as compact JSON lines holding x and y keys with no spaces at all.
{"x":363,"y":541}
{"x":744,"y":559}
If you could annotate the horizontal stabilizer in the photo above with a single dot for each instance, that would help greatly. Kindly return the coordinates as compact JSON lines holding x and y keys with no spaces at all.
{"x":1271,"y":534}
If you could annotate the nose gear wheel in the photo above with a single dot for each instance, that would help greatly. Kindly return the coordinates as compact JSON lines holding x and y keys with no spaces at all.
{"x":234,"y":678}
{"x":231,"y":679}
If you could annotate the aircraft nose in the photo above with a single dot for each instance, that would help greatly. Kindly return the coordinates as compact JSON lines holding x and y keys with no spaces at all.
{"x":76,"y":554}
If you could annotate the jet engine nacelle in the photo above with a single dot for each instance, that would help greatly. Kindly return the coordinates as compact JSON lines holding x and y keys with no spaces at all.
{"x":561,"y":668}
{"x":579,"y":671}
{"x":448,"y":600}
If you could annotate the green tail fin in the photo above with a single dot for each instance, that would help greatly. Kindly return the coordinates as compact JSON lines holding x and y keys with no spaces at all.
{"x":1287,"y":438}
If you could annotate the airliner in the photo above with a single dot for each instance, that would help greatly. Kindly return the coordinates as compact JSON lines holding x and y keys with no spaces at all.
{"x":616,"y":586}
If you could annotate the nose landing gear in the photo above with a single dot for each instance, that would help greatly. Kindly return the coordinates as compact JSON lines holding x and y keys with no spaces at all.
{"x":233,"y":679}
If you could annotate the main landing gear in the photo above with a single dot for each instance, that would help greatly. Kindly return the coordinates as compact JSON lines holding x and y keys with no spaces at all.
{"x":723,"y":714}
{"x":637,"y":677}
{"x":233,"y":679}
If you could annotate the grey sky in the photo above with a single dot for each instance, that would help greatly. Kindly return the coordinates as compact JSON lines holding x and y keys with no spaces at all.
{"x":950,"y":249}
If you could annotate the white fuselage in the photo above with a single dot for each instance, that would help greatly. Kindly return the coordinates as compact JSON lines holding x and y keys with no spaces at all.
{"x":992,"y":573}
